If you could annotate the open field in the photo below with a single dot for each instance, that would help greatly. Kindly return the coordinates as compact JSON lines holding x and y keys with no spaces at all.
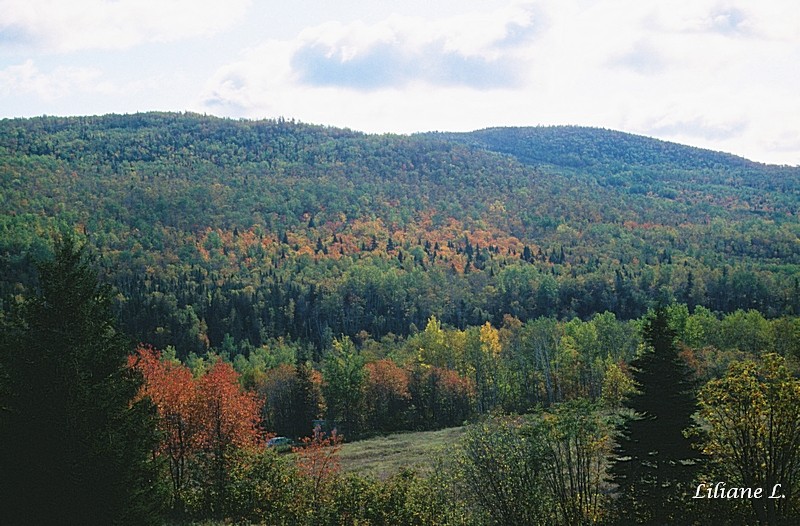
{"x":382,"y":457}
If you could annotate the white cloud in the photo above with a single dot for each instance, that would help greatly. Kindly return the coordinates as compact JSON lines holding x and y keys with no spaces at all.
{"x":65,"y":26}
{"x":473,"y":49}
{"x":712,"y":74}
{"x":26,"y":78}
{"x":716,"y":73}
{"x":85,"y":86}
{"x":478,"y":51}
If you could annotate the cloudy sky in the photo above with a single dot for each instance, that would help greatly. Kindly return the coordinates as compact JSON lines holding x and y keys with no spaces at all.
{"x":721,"y":74}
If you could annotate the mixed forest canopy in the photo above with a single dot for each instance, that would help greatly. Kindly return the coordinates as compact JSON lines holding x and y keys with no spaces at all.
{"x":614,"y":317}
{"x":223,"y":234}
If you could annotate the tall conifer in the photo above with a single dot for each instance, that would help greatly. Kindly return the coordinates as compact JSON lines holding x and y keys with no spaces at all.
{"x":75,"y":448}
{"x":656,"y":462}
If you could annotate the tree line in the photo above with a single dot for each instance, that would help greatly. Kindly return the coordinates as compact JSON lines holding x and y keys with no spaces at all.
{"x":96,"y":429}
{"x":269,"y":229}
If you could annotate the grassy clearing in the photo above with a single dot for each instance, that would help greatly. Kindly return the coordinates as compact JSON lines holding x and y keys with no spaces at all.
{"x":382,"y":457}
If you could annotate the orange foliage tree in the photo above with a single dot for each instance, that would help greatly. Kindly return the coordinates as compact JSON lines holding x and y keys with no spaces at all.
{"x":202,"y":420}
{"x":228,"y":418}
{"x":229,"y":415}
{"x":172,"y":389}
{"x":386,"y":395}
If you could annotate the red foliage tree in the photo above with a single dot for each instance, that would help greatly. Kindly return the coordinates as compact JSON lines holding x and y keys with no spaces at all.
{"x":202,"y":420}
{"x":228,"y":419}
{"x":173,"y":391}
{"x":229,"y":415}
{"x":386,"y":395}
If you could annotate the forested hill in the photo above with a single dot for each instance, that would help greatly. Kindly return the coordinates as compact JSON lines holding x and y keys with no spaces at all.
{"x":218,"y":231}
{"x":633,"y":162}
{"x":582,"y":147}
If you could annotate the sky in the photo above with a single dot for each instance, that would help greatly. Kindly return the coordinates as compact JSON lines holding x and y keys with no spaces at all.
{"x":718,"y":74}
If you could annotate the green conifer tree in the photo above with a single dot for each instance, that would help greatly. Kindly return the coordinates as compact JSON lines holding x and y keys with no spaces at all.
{"x":305,"y":402}
{"x":76,"y":445}
{"x":656,"y":462}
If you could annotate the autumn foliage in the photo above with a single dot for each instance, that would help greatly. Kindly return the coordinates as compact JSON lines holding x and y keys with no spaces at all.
{"x":318,"y":459}
{"x":386,"y":394}
{"x":227,"y":415}
{"x":202,"y":420}
{"x":172,"y":389}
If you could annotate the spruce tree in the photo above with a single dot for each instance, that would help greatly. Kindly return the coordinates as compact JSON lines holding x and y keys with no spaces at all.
{"x":305,"y":405}
{"x":76,"y":445}
{"x":656,"y":462}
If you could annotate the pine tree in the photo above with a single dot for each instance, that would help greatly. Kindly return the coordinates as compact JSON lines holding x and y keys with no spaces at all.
{"x":305,"y":402}
{"x":75,"y":448}
{"x":656,"y":462}
{"x":526,"y":254}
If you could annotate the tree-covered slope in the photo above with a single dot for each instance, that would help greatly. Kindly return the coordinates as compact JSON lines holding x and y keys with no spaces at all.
{"x":582,"y":147}
{"x":229,"y":233}
{"x":640,"y":164}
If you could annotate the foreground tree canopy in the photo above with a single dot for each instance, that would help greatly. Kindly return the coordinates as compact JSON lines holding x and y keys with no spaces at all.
{"x":754,"y":418}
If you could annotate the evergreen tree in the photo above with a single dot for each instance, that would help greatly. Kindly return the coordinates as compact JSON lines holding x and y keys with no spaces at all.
{"x":76,"y":446}
{"x":526,"y":254}
{"x":656,"y":462}
{"x":305,"y":401}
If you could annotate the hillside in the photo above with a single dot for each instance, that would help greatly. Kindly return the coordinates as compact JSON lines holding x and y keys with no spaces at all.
{"x":641,"y":165}
{"x":582,"y":147}
{"x":226,"y":234}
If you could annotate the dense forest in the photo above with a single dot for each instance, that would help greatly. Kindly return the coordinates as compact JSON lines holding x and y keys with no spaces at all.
{"x":616,"y":318}
{"x":232,"y":233}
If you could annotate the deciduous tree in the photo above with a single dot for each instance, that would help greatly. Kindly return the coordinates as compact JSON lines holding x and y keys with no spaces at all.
{"x":753,"y":414}
{"x":501,"y":465}
{"x":386,"y":395}
{"x":318,"y":460}
{"x":578,"y":443}
{"x":228,"y":419}
{"x":170,"y":386}
{"x":343,"y":389}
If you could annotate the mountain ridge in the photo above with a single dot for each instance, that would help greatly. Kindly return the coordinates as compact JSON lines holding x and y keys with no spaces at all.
{"x":484,"y":136}
{"x":274,"y":228}
{"x":480,"y":137}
